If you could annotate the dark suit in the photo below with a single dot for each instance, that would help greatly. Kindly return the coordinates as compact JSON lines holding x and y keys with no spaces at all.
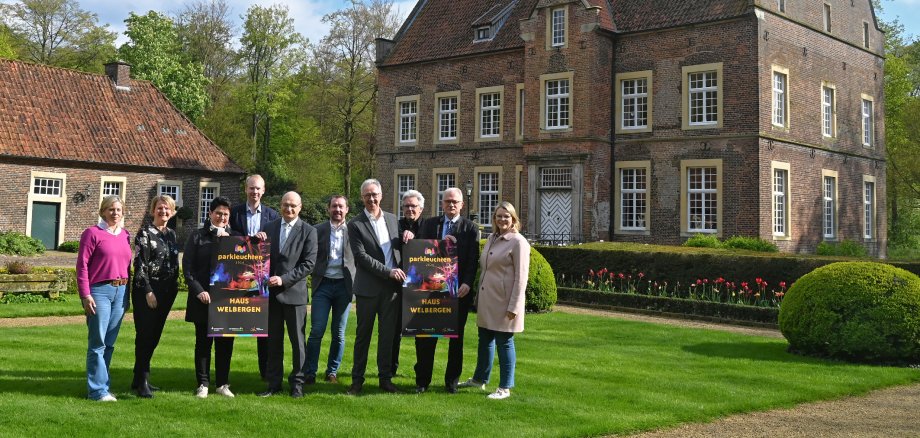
{"x":404,"y":225}
{"x":375,"y":293}
{"x":466,"y":233}
{"x":287,"y":304}
{"x":196,"y":266}
{"x":238,"y":223}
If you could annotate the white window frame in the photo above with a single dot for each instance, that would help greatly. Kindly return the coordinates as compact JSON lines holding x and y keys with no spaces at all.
{"x":630,"y":101}
{"x":780,"y":184}
{"x":493,"y":113}
{"x":779,"y":81}
{"x":870,"y":200}
{"x":203,"y":210}
{"x":781,"y":5}
{"x":559,"y":104}
{"x":708,"y":95}
{"x":828,"y":110}
{"x":483,"y":33}
{"x":47,"y":186}
{"x":829,"y":204}
{"x":438,"y":188}
{"x":59,"y":196}
{"x":407,"y":109}
{"x":119,"y":181}
{"x":867,"y":111}
{"x":709,"y":195}
{"x":826,"y":14}
{"x":171,"y":183}
{"x":557,"y":34}
{"x":635,"y":195}
{"x":519,"y":121}
{"x":447,"y":113}
{"x":399,"y":176}
{"x":491,"y":195}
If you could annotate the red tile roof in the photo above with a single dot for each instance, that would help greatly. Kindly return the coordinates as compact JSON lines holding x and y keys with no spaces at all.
{"x":637,"y":15}
{"x":60,"y":114}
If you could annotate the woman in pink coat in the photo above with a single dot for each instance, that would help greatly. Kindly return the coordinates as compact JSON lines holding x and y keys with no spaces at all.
{"x":504,"y":264}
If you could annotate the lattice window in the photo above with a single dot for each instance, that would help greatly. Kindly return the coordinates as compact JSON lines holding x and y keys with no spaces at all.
{"x":171,"y":190}
{"x":444,"y":181}
{"x":868,"y":135}
{"x":557,"y":104}
{"x":111,"y":188}
{"x":779,"y":99}
{"x":558,"y":29}
{"x":830,"y":207}
{"x":635,"y":103}
{"x":488,"y":196}
{"x":556,"y":177}
{"x":704,"y":98}
{"x":447,"y":111}
{"x":869,"y":208}
{"x":207,"y":195}
{"x":633,"y":198}
{"x":780,"y":201}
{"x":408,"y":121}
{"x":702,"y":199}
{"x":404,"y":183}
{"x":827,"y":111}
{"x":47,"y":186}
{"x":490,"y":107}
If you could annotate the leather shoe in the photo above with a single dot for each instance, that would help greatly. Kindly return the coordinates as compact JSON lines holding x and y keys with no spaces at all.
{"x":451,"y":388}
{"x":331,"y":378}
{"x":297,"y":391}
{"x":153,"y":387}
{"x":388,"y":386}
{"x":420,"y":389}
{"x":143,"y":390}
{"x":309,"y":380}
{"x":269,"y":392}
{"x":354,"y":389}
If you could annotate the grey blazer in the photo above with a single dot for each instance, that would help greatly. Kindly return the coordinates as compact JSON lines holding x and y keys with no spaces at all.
{"x":371,"y":275}
{"x":294,"y":262}
{"x":323,"y":232}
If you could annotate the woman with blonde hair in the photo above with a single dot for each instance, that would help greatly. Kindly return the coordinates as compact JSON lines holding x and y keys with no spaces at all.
{"x":102,"y":278}
{"x":156,"y":275}
{"x":504,"y":265}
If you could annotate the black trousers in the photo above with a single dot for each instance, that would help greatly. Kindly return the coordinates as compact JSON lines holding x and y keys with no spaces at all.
{"x":262,"y":352}
{"x":149,"y":323}
{"x":294,"y":317}
{"x":223,"y":352}
{"x":397,"y":334}
{"x":368,"y":309}
{"x":425,"y":348}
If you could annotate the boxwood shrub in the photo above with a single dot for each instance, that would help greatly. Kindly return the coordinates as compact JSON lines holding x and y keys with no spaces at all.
{"x":858,"y":311}
{"x":541,"y":283}
{"x":69,"y":246}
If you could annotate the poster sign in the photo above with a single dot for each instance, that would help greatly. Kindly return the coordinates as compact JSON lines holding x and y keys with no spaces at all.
{"x":429,"y":304}
{"x":239,"y":288}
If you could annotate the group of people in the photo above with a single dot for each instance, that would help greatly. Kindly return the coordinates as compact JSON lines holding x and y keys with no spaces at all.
{"x":360,"y":259}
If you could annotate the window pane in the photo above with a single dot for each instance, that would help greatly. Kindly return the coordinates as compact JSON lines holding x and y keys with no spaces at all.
{"x":488,"y":197}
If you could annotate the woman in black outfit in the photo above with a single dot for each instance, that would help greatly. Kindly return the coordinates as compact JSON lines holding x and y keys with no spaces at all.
{"x":196,"y":266}
{"x":156,"y":274}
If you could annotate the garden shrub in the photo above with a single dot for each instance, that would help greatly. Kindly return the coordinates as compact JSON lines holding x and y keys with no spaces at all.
{"x":14,"y":243}
{"x":703,"y":241}
{"x":69,"y":246}
{"x":18,"y":267}
{"x":541,"y":282}
{"x":750,"y":244}
{"x":859,"y":311}
{"x":845,"y":248}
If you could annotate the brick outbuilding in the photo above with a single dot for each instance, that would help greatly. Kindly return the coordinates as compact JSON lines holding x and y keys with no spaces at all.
{"x":643,"y":121}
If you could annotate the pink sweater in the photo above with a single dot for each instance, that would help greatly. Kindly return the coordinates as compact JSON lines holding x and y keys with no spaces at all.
{"x":102,"y":257}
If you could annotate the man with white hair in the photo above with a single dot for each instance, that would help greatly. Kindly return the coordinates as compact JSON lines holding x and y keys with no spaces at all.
{"x":413,"y":204}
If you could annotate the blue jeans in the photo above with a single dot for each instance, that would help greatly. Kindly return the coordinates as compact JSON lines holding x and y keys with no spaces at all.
{"x":330,"y":295}
{"x":506,"y":357}
{"x":111,"y":304}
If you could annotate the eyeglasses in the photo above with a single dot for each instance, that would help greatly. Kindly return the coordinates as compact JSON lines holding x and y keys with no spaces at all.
{"x":451,"y":201}
{"x":372,"y":195}
{"x":411,"y":206}
{"x":290,"y":205}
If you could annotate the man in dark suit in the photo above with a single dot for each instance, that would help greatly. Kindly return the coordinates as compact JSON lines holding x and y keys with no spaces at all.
{"x":332,"y":279}
{"x":466,"y":234}
{"x":293,"y":255}
{"x":374,"y":239}
{"x":248,"y":219}
{"x":413,"y":204}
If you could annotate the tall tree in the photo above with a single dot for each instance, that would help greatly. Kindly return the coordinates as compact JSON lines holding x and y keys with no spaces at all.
{"x":156,"y":55}
{"x":206,"y":33}
{"x":345,"y":61}
{"x":58,"y":32}
{"x":271,"y":52}
{"x":7,"y":48}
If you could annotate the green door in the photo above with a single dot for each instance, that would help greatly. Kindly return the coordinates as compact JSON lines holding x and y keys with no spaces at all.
{"x":46,"y":217}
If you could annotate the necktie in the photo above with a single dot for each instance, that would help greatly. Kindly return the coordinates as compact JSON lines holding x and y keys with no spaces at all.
{"x":448,"y":227}
{"x":284,"y":235}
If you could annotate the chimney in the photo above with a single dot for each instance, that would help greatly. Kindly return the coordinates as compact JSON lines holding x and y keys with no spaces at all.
{"x":120,"y":73}
{"x":383,"y":49}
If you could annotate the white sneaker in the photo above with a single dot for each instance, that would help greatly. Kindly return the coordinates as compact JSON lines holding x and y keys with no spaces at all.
{"x":201,"y":392}
{"x":224,"y":390}
{"x":500,"y":394}
{"x":472,"y":383}
{"x":107,"y":398}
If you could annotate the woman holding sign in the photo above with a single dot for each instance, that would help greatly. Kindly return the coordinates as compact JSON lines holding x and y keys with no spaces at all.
{"x":504,"y":263}
{"x":196,"y":265}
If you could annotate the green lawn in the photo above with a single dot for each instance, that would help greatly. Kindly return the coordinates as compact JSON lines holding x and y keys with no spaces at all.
{"x":71,"y":306}
{"x":577,"y":376}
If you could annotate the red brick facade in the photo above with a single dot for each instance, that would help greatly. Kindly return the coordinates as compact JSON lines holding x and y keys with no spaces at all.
{"x":608,"y":42}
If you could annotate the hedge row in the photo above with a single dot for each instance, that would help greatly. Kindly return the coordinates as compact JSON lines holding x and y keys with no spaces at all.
{"x":686,"y":265}
{"x":705,"y":309}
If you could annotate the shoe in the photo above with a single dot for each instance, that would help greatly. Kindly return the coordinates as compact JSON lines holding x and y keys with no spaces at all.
{"x":267,"y":393}
{"x":152,"y":387}
{"x":354,"y":389}
{"x":309,"y":380}
{"x":388,"y":386}
{"x":331,"y":378}
{"x":420,"y":389}
{"x":472,"y":383}
{"x":297,"y":391}
{"x":224,"y":390}
{"x":451,"y":388}
{"x":107,"y":398}
{"x":144,"y":391}
{"x":201,"y":391}
{"x":500,"y":394}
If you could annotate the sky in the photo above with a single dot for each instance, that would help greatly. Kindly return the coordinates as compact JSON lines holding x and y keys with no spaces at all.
{"x":308,"y":14}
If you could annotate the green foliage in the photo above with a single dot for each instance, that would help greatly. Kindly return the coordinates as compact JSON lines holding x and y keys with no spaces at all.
{"x":703,"y":241}
{"x":18,"y":267}
{"x":156,"y":55}
{"x":541,"y":292}
{"x":185,"y":213}
{"x":7,"y":49}
{"x":14,"y":243}
{"x":69,"y":246}
{"x":858,"y":311}
{"x":844,"y":248}
{"x":750,"y":244}
{"x":31,"y":299}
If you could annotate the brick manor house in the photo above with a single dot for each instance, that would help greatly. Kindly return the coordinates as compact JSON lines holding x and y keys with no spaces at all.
{"x":643,"y":121}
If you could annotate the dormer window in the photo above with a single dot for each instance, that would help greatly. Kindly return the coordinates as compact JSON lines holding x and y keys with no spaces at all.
{"x":483,"y":33}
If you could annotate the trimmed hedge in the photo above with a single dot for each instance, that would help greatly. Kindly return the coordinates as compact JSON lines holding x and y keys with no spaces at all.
{"x":686,"y":265}
{"x":706,"y":309}
{"x":69,"y":246}
{"x":541,"y":282}
{"x":858,"y":311}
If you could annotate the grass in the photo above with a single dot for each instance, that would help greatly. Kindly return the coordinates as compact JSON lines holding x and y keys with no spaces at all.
{"x":69,"y":307}
{"x":577,"y":375}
